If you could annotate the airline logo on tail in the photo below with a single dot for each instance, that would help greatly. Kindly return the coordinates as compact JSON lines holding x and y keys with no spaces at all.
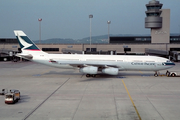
{"x":24,"y":42}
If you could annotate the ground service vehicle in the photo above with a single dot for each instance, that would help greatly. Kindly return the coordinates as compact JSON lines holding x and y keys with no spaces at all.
{"x":12,"y":97}
{"x":3,"y":92}
{"x":173,"y":73}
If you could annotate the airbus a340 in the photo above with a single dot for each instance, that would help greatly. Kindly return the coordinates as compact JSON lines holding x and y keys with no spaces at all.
{"x":91,"y":64}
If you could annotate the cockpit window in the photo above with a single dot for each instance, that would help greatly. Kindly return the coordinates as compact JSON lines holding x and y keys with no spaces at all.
{"x":9,"y":96}
{"x":168,"y":61}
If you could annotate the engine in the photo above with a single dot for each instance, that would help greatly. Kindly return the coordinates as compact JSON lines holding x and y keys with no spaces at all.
{"x":110,"y":71}
{"x":89,"y":70}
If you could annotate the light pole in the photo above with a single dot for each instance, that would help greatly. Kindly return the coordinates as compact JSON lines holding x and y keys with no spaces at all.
{"x":179,"y":30}
{"x":108,"y":22}
{"x":90,"y":16}
{"x":40,"y":19}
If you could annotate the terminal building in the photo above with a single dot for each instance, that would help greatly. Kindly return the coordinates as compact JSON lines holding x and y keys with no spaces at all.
{"x":159,"y":43}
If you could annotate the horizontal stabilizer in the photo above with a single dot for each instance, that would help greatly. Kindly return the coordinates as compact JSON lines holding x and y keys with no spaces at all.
{"x":26,"y":56}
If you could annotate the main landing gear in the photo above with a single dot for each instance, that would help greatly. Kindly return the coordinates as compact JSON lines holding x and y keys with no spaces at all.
{"x":89,"y":75}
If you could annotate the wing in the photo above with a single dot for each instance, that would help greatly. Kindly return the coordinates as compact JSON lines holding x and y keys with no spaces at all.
{"x":110,"y":67}
{"x":80,"y":64}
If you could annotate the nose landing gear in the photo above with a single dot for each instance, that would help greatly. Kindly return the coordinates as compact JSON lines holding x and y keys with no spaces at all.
{"x":156,"y":74}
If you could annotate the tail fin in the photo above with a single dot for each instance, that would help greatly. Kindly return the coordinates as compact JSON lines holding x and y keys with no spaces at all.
{"x":24,"y":42}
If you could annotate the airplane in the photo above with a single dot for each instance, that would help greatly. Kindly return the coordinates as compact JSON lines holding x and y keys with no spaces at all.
{"x":91,"y":64}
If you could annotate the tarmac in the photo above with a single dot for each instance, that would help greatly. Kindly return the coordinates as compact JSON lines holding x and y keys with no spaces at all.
{"x":49,"y":93}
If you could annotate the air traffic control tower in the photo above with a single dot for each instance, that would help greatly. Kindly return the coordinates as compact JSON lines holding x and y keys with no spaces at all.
{"x":158,"y":20}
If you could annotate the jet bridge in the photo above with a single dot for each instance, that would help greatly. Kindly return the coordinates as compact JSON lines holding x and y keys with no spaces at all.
{"x":156,"y":52}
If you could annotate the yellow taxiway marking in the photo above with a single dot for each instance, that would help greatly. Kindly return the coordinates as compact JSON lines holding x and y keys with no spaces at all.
{"x":131,"y":100}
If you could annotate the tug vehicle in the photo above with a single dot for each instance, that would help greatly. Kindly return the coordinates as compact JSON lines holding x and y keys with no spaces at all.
{"x":3,"y":92}
{"x":12,"y":97}
{"x":173,"y":73}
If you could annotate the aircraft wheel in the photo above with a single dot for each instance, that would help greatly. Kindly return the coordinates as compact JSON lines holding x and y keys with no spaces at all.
{"x":93,"y":75}
{"x":156,"y":75}
{"x":173,"y":74}
{"x":88,"y":75}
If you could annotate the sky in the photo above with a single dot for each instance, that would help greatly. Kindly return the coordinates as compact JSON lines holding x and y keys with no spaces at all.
{"x":70,"y":18}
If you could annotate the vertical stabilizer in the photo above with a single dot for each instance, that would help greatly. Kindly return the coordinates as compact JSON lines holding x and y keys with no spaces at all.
{"x":24,"y":42}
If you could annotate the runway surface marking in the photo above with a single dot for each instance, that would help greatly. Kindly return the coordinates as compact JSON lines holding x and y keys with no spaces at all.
{"x":30,"y":113}
{"x":131,"y":100}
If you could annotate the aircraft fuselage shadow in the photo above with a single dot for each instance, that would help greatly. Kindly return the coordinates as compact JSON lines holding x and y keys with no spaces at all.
{"x":61,"y":73}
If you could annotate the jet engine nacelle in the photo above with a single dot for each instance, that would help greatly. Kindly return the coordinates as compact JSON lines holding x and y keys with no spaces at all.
{"x":110,"y":71}
{"x":89,"y":70}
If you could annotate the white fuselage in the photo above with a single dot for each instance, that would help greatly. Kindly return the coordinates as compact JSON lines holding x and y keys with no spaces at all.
{"x":122,"y":62}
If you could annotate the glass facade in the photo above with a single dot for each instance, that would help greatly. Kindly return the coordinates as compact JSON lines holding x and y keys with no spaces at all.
{"x":50,"y":49}
{"x":175,"y":39}
{"x":92,"y":49}
{"x":153,"y":14}
{"x":6,"y":40}
{"x":135,"y":39}
{"x":153,"y":7}
{"x":140,"y":39}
